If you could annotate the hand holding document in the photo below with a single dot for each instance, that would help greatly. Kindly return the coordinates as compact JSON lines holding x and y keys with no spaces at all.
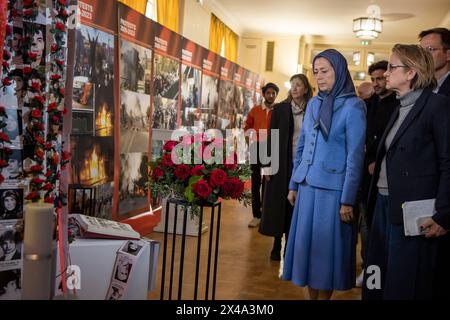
{"x":416,"y":213}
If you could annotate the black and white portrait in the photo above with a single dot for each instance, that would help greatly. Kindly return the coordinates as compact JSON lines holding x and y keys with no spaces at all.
{"x":123,"y":269}
{"x":10,"y":284}
{"x":132,"y":247}
{"x":11,"y":204}
{"x":10,"y":245}
{"x":13,"y":126}
{"x":14,"y":169}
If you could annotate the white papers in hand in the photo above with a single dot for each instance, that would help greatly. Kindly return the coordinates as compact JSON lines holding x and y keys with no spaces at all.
{"x":415,"y":213}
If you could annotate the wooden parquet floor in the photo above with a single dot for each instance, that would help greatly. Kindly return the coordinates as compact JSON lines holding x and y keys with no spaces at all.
{"x":245,"y":271}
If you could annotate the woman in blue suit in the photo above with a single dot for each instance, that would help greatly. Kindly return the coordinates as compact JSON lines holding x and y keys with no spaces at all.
{"x":321,"y":250}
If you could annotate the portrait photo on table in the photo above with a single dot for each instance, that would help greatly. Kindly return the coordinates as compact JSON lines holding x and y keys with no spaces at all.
{"x":10,"y":245}
{"x":135,"y":67}
{"x":13,"y":128}
{"x":133,"y":193}
{"x":115,"y":293}
{"x":94,"y":68}
{"x":14,"y":170}
{"x":131,"y":247}
{"x":10,"y":284}
{"x":123,"y":269}
{"x":11,"y":204}
{"x":134,"y":121}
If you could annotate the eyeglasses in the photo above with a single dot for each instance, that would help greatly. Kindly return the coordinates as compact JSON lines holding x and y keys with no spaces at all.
{"x":392,"y":67}
{"x":432,"y":49}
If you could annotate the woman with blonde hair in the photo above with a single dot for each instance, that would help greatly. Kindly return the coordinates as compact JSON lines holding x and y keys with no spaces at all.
{"x":412,"y":163}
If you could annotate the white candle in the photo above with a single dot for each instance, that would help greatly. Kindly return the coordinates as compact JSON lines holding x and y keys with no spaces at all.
{"x":37,"y":258}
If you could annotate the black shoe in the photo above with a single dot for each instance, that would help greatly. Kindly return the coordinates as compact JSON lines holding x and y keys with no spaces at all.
{"x":275,"y":255}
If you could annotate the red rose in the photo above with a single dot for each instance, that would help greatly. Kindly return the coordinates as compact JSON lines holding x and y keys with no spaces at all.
{"x":49,"y":200}
{"x":55,"y":159}
{"x":233,"y":187}
{"x":32,"y":195}
{"x":36,"y":113}
{"x":38,"y":126}
{"x":2,"y":178}
{"x":8,"y":29}
{"x":54,"y":48}
{"x":36,"y":86}
{"x":36,"y":168}
{"x":59,"y":62}
{"x":65,"y":111}
{"x":39,"y":139}
{"x":3,"y":163}
{"x":39,"y":99}
{"x":55,"y":119}
{"x":182,"y":171}
{"x":52,"y":107}
{"x":40,"y":154}
{"x":2,"y":110}
{"x":217,"y":178}
{"x":37,"y":181}
{"x":6,"y":82}
{"x":62,"y":2}
{"x":28,"y":3}
{"x":14,"y":13}
{"x":167,"y":160}
{"x":63,"y":13}
{"x":5,"y":64}
{"x":48,"y":186}
{"x":27,"y":12}
{"x":60,"y":26}
{"x":4,"y":137}
{"x":202,"y":189}
{"x":157,"y":173}
{"x":55,"y":77}
{"x":65,"y":155}
{"x":27,"y":70}
{"x":48,"y":173}
{"x":169,"y":145}
{"x":197,"y":170}
{"x":61,"y":91}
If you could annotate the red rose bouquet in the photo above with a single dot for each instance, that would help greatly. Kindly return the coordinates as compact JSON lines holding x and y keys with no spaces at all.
{"x":198,"y":171}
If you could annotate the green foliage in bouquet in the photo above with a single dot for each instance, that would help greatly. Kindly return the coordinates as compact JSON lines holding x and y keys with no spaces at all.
{"x":199,"y":172}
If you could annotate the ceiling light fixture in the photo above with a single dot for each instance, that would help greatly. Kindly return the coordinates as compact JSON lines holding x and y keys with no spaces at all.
{"x":368,"y":28}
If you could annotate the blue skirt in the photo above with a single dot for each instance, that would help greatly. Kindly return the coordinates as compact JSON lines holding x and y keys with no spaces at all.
{"x":321,"y":250}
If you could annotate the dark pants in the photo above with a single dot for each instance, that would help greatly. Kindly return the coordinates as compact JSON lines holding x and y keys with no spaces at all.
{"x":407,"y":264}
{"x":256,"y":190}
{"x":364,"y":232}
{"x":287,"y":226}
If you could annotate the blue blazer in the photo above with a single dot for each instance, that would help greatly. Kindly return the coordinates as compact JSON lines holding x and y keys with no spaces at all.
{"x":335,"y":164}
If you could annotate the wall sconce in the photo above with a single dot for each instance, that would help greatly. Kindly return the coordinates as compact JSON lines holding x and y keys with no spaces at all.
{"x":357,"y":58}
{"x":370,"y":58}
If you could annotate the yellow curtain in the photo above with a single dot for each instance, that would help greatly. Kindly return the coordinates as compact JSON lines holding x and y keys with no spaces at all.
{"x":231,"y":45}
{"x":216,"y":34}
{"x":138,"y":5}
{"x":219,"y":32}
{"x":168,"y":13}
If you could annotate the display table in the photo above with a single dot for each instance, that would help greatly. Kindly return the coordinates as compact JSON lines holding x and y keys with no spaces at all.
{"x":96,"y":258}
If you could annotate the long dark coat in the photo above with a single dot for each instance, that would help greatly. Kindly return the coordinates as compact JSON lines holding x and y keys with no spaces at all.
{"x":276,"y":211}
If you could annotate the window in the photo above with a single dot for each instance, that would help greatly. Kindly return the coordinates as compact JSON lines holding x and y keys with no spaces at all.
{"x":150,"y":10}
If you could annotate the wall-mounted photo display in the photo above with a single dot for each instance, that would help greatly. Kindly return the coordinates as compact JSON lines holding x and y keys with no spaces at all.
{"x":133,"y":194}
{"x":210,"y":89}
{"x":92,"y":160}
{"x":93,"y":82}
{"x":227,"y":110}
{"x":135,"y":67}
{"x":134,"y":122}
{"x":165,"y":92}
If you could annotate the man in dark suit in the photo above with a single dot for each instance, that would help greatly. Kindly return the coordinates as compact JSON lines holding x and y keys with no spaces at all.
{"x":437,"y":41}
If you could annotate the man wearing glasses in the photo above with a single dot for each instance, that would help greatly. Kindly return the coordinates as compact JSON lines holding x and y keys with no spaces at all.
{"x":437,"y":42}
